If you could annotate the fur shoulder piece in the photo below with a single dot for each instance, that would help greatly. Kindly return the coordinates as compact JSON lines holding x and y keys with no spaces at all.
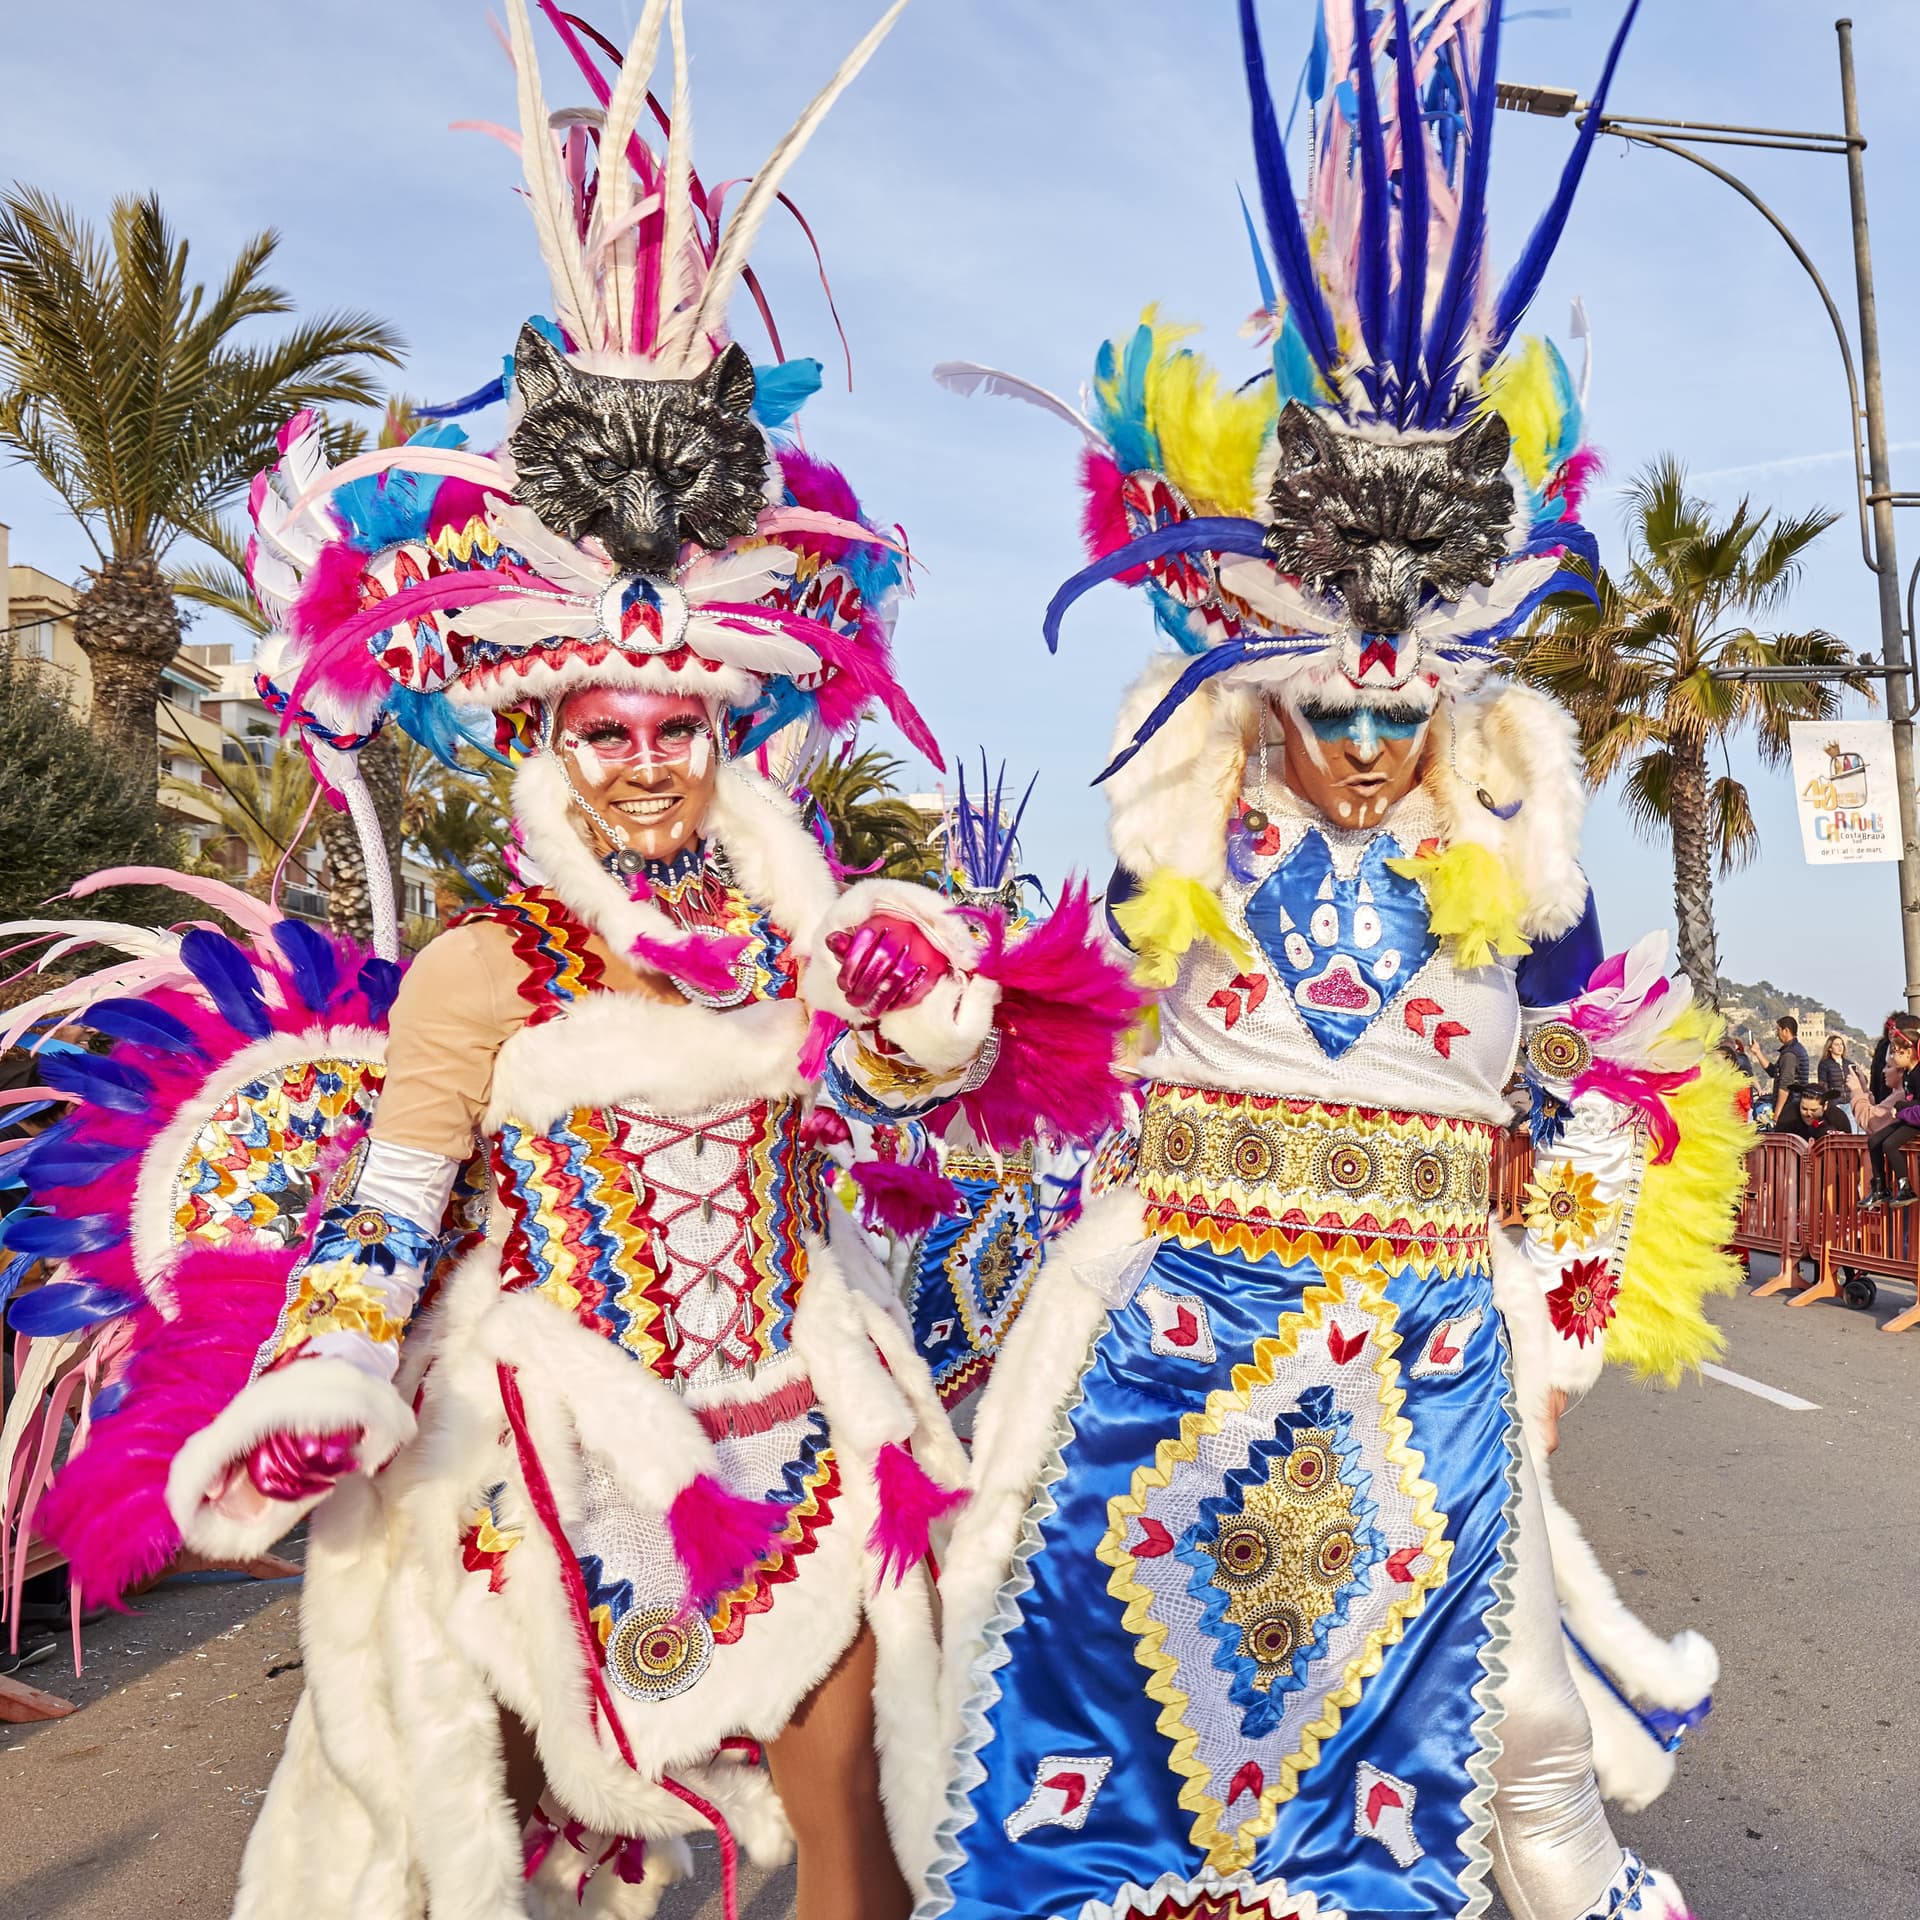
{"x":1169,"y":803}
{"x":1518,"y":745}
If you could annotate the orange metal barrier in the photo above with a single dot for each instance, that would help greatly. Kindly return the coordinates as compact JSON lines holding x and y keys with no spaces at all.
{"x":1775,"y":1211}
{"x":1512,"y":1173}
{"x":1853,"y":1243}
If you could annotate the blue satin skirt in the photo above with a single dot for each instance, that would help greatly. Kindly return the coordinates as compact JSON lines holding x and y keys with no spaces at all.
{"x":1253,"y":1639}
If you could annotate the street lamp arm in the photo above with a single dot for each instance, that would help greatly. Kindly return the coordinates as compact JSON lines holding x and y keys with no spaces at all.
{"x":1634,"y":131}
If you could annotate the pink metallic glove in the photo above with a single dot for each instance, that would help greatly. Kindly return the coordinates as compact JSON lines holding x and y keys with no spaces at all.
{"x":296,"y":1466}
{"x":886,"y":963}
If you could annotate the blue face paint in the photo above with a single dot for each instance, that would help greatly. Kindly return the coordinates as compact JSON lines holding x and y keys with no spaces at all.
{"x":1365,"y":726}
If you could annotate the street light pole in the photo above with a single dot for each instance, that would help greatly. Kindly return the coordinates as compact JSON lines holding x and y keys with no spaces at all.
{"x":1886,"y":567}
{"x":1874,"y":497}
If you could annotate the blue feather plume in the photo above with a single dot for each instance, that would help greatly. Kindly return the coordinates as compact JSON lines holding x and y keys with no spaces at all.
{"x":312,"y":964}
{"x":388,"y":509}
{"x":1460,"y":290}
{"x":67,"y":1163}
{"x":780,"y":392}
{"x":53,"y":1236}
{"x":228,"y":976}
{"x":67,"y":1306}
{"x":379,"y":981}
{"x":1285,"y":234}
{"x":115,"y":1084}
{"x":1415,"y":213}
{"x":1204,"y":534}
{"x":1524,"y":280}
{"x":1376,"y":237}
{"x":13,"y":1273}
{"x":140,"y":1025}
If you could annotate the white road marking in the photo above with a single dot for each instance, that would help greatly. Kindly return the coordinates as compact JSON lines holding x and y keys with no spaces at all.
{"x":1728,"y":1378}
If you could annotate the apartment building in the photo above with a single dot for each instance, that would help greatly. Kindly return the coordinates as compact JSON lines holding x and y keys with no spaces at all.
{"x":210,"y":720}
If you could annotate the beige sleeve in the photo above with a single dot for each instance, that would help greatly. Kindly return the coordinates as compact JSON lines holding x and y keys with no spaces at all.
{"x":459,"y":1002}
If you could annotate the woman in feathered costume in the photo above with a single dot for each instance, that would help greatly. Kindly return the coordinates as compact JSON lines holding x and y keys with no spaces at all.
{"x":1252,"y":1611}
{"x":654,"y":1476}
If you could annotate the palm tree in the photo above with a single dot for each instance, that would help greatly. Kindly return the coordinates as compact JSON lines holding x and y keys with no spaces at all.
{"x":129,"y":391}
{"x":1640,"y":670}
{"x":874,"y":830}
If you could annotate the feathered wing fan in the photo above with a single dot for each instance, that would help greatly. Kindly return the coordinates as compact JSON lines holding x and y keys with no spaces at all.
{"x":172,"y":1199}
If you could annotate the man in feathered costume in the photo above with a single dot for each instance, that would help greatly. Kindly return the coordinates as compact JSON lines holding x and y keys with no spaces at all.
{"x":653,"y":1475}
{"x":1252,"y":1611}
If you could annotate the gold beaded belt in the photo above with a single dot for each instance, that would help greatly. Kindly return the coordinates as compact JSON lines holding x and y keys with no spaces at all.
{"x":1260,"y":1174}
{"x":963,"y":1163}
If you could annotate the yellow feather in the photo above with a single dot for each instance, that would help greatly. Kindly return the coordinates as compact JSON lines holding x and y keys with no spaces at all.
{"x":1472,"y":899}
{"x":1520,"y":387}
{"x":1210,"y":436}
{"x":1169,"y":913}
{"x":1677,"y":1253}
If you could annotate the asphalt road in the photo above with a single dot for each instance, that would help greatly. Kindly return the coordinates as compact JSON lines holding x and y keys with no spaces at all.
{"x":1788,"y":1536}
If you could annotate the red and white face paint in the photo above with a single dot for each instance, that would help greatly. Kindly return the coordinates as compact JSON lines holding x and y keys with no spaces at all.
{"x":642,"y":766}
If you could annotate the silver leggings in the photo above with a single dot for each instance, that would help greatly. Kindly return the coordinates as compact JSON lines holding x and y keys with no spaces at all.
{"x":1553,"y":1852}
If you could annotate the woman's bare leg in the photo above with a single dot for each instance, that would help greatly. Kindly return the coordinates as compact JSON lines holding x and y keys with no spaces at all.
{"x":828,"y":1776}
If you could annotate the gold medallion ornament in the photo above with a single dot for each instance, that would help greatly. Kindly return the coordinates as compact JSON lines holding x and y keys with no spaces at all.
{"x":1557,"y":1051}
{"x":658,"y":1652}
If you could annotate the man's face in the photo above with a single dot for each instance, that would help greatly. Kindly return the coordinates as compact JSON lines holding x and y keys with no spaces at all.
{"x":1813,"y":1108}
{"x":645,"y":761}
{"x":1353,"y":763}
{"x":1785,"y":1034}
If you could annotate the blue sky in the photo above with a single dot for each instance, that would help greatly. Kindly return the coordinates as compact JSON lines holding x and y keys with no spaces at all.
{"x":1011,"y":181}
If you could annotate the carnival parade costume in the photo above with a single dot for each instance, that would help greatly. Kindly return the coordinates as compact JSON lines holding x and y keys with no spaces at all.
{"x":519,"y":1287}
{"x":974,"y":1265}
{"x":1252,"y":1613}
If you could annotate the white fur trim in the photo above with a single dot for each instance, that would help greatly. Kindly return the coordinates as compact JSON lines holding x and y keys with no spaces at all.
{"x":611,"y":1049}
{"x":777,"y":861}
{"x":945,"y":1031}
{"x":1169,"y":803}
{"x":1517,"y":743}
{"x":1542,"y":1360}
{"x":154,"y":1244}
{"x":1633,"y":1769}
{"x":1663,"y":1899}
{"x":309,"y":1396}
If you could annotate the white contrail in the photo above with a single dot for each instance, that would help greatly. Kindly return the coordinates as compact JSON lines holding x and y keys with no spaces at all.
{"x":1793,"y":463}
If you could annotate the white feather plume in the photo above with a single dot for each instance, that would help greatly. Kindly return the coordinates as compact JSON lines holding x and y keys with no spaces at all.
{"x":676,"y":226}
{"x":968,"y":377}
{"x":709,"y":315}
{"x":613,"y":211}
{"x":576,"y":305}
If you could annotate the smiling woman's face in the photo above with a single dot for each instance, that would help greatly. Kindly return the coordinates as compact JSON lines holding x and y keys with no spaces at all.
{"x":646,"y":762}
{"x":1353,"y":763}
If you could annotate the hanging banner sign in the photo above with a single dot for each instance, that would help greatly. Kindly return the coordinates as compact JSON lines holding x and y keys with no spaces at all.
{"x":1845,"y":791}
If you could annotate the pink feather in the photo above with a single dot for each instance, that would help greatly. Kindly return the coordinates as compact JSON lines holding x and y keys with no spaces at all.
{"x":704,"y":962}
{"x":253,"y":916}
{"x":909,"y":1503}
{"x":1583,"y":466}
{"x":1065,"y":1006}
{"x":717,"y":1536}
{"x":822,"y":1031}
{"x":343,"y":671}
{"x":107,"y":1508}
{"x":1103,"y":519}
{"x":823,"y":488}
{"x":905,"y":1198}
